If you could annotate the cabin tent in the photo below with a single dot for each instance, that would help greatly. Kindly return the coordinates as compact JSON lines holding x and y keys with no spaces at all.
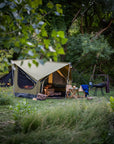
{"x":6,"y":80}
{"x":29,"y":79}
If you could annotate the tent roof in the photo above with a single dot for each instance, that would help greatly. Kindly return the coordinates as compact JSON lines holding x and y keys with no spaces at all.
{"x":40,"y":71}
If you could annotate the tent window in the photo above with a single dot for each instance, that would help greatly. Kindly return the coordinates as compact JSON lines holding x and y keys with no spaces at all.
{"x":25,"y":81}
{"x":7,"y":80}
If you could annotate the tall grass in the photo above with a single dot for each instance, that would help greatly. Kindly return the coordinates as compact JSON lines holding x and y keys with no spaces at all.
{"x":5,"y":99}
{"x":78,"y":122}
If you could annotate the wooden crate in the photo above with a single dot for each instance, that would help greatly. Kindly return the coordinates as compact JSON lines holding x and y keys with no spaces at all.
{"x":49,"y":91}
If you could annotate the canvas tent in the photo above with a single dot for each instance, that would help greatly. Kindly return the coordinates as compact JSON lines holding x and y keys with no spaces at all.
{"x":29,"y":81}
{"x":6,"y":80}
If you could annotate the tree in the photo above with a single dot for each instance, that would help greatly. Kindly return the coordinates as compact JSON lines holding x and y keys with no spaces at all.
{"x":87,"y":53}
{"x":23,"y":30}
{"x":84,"y":16}
{"x":94,"y":18}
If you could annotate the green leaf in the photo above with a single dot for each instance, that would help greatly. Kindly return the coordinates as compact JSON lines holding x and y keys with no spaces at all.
{"x":60,"y":34}
{"x":61,"y":51}
{"x":44,"y":33}
{"x":54,"y":33}
{"x":35,"y":3}
{"x":30,"y":44}
{"x":63,"y":41}
{"x":58,"y":45}
{"x":35,"y":62}
{"x":16,"y":49}
{"x":17,"y":43}
{"x":50,"y":5}
{"x":2,"y":5}
{"x":55,"y":58}
{"x":59,"y":9}
{"x":30,"y":53}
{"x":21,"y":63}
{"x":23,"y":41}
{"x":29,"y":64}
{"x":46,"y":42}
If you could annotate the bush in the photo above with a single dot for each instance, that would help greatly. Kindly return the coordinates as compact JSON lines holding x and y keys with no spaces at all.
{"x":112,"y":103}
{"x":5,"y":100}
{"x":20,"y":109}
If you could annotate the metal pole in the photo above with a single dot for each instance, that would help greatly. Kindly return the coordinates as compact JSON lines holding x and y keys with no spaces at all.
{"x":67,"y":79}
{"x":13,"y":69}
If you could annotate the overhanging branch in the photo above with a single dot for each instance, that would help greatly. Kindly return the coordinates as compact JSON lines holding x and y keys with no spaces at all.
{"x":104,"y":29}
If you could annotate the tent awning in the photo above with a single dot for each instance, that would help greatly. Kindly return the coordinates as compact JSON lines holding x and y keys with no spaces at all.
{"x":40,"y":71}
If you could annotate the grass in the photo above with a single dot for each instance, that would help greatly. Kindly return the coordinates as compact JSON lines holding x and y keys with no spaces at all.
{"x":55,"y":121}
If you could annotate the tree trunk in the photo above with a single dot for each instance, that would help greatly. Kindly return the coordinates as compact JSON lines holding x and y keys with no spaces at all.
{"x":81,"y":27}
{"x":92,"y":76}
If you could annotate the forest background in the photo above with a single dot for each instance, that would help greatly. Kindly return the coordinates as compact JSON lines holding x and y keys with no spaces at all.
{"x":80,"y":32}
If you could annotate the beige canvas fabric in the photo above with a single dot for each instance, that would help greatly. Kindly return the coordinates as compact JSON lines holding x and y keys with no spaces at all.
{"x":42,"y":70}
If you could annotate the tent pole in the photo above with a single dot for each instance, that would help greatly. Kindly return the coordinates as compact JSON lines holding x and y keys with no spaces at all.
{"x":68,"y":79}
{"x":37,"y":91}
{"x":13,"y":69}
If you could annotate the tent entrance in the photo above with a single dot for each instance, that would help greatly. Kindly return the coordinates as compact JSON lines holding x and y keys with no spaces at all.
{"x":55,"y":85}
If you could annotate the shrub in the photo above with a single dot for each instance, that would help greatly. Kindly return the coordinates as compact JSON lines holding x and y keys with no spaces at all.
{"x":5,"y":100}
{"x":112,"y":103}
{"x":20,"y":109}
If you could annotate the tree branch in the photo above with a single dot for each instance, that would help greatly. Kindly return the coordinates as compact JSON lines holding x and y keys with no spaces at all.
{"x":104,"y":29}
{"x":75,"y":16}
{"x":12,"y":31}
{"x":81,"y":27}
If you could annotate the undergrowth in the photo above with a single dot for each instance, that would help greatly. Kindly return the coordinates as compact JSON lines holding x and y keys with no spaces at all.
{"x":77,"y":122}
{"x":63,"y":121}
{"x":5,"y":99}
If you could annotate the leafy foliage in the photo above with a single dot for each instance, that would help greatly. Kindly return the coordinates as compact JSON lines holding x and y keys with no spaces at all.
{"x":112,"y":102}
{"x":34,"y":29}
{"x":20,"y":109}
{"x":5,"y":98}
{"x":5,"y":101}
{"x":23,"y":30}
{"x":85,"y":47}
{"x":84,"y":51}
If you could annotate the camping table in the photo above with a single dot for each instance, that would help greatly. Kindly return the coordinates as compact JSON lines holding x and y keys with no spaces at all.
{"x":74,"y":92}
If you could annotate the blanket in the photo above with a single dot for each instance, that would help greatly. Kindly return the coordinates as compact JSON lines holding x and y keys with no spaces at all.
{"x":86,"y":89}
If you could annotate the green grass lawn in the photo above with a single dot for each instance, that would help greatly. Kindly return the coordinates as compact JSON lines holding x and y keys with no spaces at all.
{"x":56,"y":121}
